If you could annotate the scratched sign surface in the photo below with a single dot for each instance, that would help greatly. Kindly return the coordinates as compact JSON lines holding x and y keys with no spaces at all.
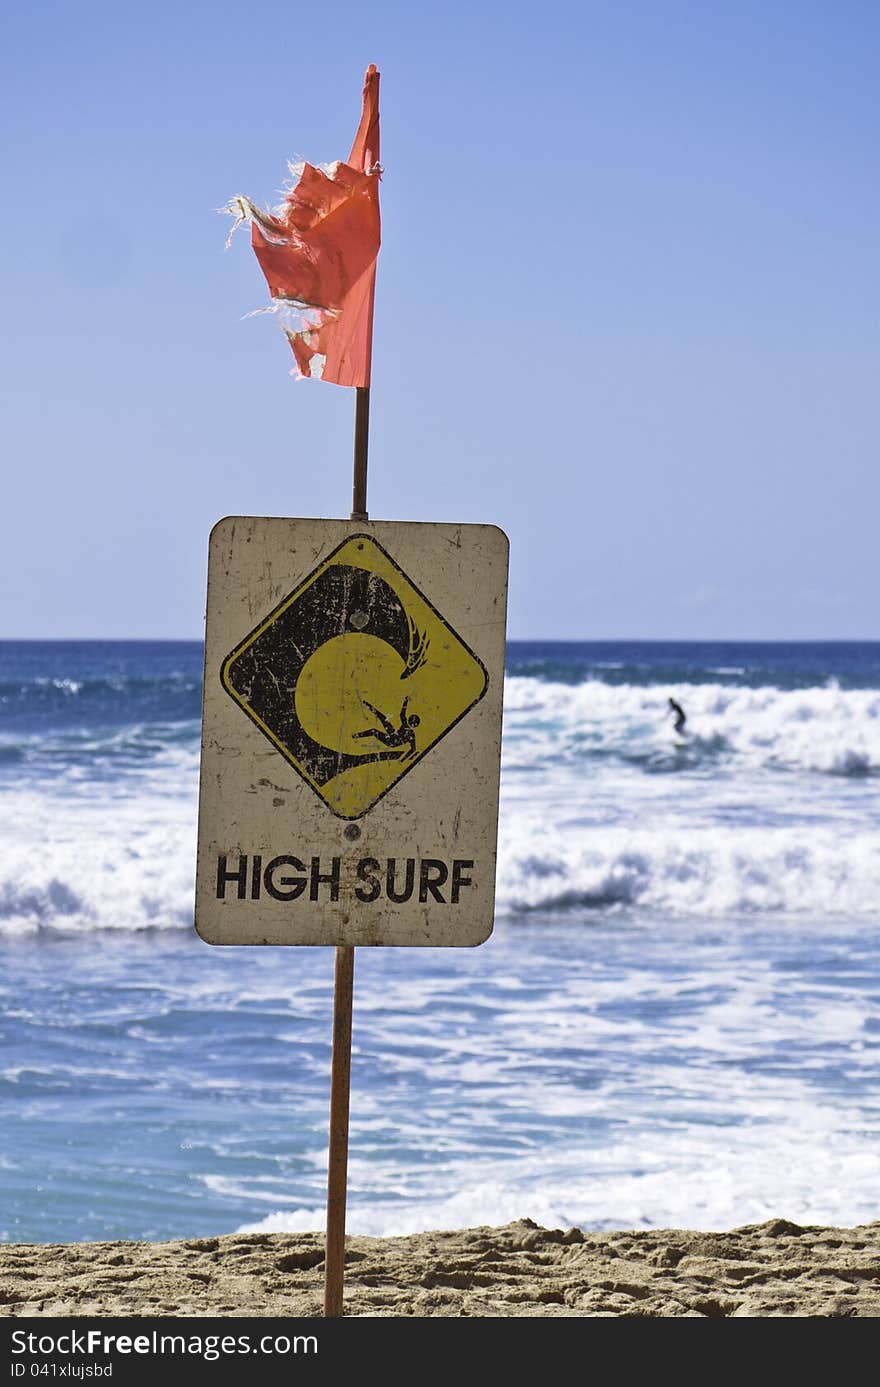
{"x":351,"y":732}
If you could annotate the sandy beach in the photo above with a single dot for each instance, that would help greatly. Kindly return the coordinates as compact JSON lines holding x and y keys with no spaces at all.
{"x":775,"y":1268}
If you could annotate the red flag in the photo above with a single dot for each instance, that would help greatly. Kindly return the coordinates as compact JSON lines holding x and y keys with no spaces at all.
{"x":318,"y":253}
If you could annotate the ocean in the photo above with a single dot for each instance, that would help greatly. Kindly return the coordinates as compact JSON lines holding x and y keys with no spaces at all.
{"x":674,"y":1023}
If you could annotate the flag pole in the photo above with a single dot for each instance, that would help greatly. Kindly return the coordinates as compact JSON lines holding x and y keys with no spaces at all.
{"x":361,"y":441}
{"x":340,"y":1064}
{"x":364,"y":155}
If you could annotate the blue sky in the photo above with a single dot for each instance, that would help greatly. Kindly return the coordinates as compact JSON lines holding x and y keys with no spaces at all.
{"x":627,"y":304}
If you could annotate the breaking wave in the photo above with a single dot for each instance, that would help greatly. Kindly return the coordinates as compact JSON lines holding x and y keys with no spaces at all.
{"x":769,"y":805}
{"x":828,"y":730}
{"x":707,"y":873}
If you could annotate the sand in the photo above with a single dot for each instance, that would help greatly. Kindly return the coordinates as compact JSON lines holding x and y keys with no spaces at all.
{"x":773,"y":1268}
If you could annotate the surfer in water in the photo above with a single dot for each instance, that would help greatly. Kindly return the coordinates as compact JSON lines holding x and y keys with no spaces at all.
{"x":680,"y":718}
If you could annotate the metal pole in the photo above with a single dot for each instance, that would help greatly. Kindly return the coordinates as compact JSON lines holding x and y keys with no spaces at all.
{"x":361,"y":441}
{"x":337,"y":1174}
{"x":340,"y":1065}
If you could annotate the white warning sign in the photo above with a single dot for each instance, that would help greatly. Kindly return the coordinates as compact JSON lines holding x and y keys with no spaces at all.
{"x":351,"y":732}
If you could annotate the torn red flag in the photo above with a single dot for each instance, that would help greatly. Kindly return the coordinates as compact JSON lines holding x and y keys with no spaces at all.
{"x":318,"y":252}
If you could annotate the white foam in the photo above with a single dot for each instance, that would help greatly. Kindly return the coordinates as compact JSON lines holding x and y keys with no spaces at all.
{"x":708,"y":1180}
{"x":79,"y":864}
{"x":816,"y":729}
{"x":680,"y":870}
{"x":771,"y":806}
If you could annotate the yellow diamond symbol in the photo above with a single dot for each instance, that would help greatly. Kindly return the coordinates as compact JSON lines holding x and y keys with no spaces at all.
{"x":354,"y":677}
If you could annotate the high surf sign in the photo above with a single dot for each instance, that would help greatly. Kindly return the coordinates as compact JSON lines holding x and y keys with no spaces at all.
{"x":351,"y":734}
